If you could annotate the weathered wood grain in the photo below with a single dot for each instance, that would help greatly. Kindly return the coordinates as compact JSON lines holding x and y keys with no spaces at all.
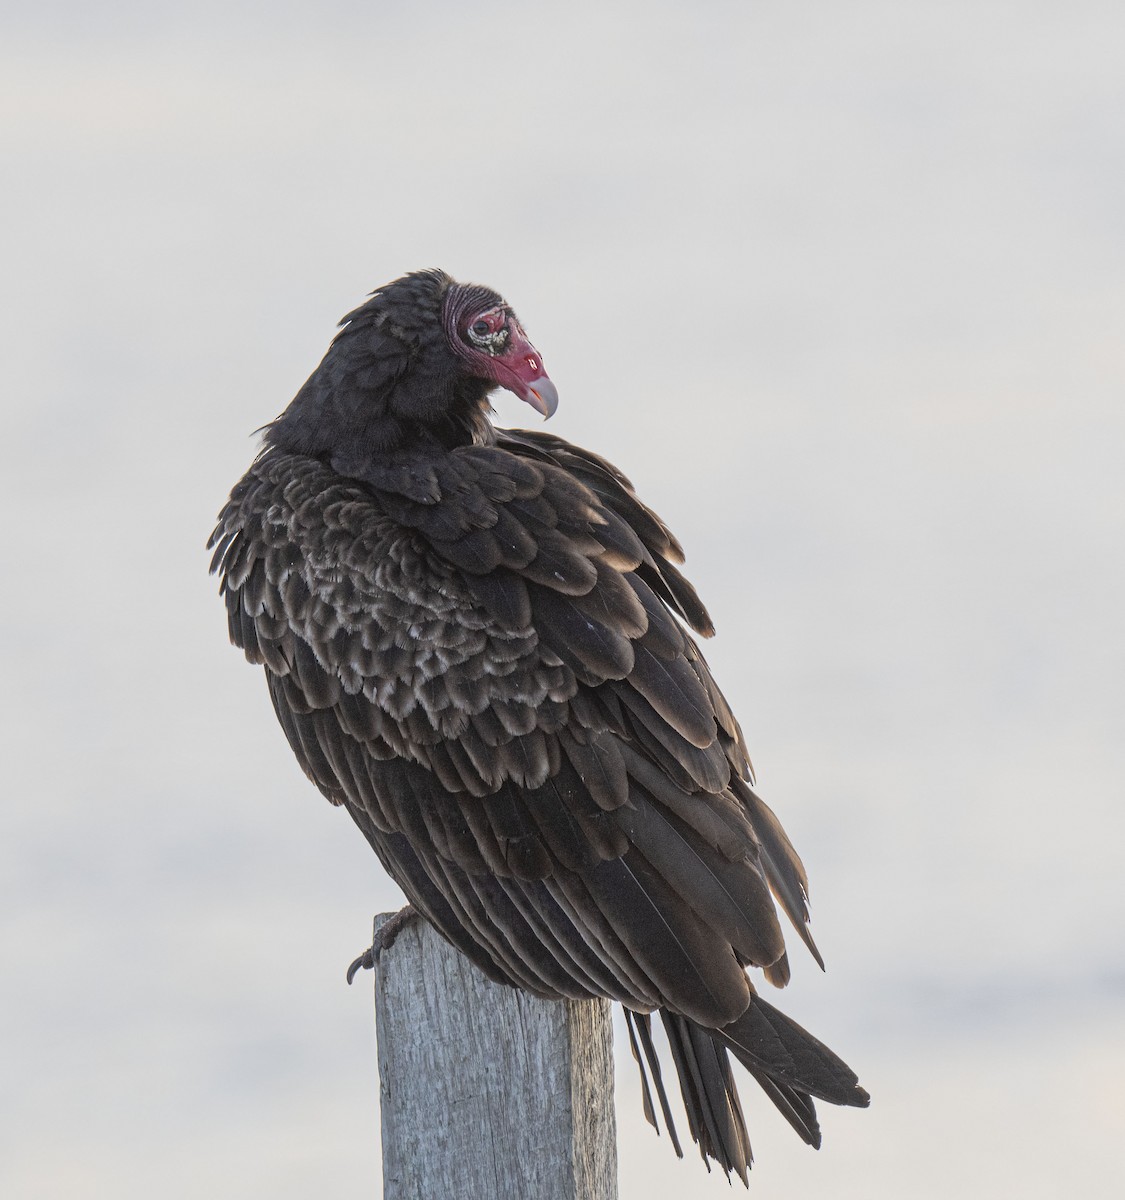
{"x":487,"y":1093}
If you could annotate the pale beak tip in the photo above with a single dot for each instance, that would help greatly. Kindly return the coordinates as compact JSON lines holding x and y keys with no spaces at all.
{"x":543,"y":396}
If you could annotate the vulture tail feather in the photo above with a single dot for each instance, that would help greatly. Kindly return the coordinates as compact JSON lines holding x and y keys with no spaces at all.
{"x":646,"y":1094}
{"x":710,"y":1099}
{"x":794,"y":1105}
{"x":768,"y":1042}
{"x":644,"y":1033}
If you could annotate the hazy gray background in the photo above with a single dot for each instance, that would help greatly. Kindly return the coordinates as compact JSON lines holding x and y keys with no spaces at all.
{"x":841,"y":286}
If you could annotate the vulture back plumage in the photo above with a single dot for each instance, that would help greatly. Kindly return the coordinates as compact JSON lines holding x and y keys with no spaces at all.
{"x":476,"y":641}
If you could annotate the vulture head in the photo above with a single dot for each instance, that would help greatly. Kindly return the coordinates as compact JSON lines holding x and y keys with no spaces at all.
{"x":412,"y":369}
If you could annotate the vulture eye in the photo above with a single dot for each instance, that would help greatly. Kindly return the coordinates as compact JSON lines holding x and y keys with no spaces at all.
{"x":488,"y":332}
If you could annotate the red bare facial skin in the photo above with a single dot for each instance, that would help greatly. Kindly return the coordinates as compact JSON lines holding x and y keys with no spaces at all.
{"x":492,"y":341}
{"x":520,"y":370}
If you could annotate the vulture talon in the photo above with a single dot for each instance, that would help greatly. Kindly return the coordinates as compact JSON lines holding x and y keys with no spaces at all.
{"x":383,"y":940}
{"x":365,"y":962}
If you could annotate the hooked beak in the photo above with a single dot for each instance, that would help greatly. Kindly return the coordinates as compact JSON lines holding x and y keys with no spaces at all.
{"x":542,"y":395}
{"x":521,"y":371}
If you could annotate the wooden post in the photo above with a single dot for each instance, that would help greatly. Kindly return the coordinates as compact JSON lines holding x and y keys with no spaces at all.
{"x":488,"y":1093}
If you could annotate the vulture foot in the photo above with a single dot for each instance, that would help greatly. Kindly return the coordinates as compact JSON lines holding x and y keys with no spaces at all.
{"x":384,"y":940}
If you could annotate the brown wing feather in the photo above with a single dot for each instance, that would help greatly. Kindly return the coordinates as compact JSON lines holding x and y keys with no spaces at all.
{"x":476,"y":656}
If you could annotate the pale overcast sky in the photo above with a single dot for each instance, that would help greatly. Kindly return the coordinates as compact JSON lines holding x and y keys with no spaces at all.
{"x":840,"y":286}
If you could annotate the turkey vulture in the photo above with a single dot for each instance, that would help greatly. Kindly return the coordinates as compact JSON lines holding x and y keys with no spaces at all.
{"x":476,"y":641}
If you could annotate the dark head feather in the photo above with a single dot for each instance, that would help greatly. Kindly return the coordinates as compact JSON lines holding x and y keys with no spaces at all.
{"x":405,"y":373}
